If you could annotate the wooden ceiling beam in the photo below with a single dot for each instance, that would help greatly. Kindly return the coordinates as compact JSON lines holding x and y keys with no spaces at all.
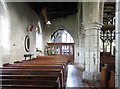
{"x":109,"y":16}
{"x":109,"y":3}
{"x":109,"y":10}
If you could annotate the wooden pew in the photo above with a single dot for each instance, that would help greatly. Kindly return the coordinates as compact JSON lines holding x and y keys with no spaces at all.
{"x":29,"y":84}
{"x":27,"y":87}
{"x":27,"y":78}
{"x":41,"y":66}
{"x":107,"y":78}
{"x":53,"y":72}
{"x":109,"y":61}
{"x":57,"y":57}
{"x":112,"y":81}
{"x":46,"y":60}
{"x":6,"y":64}
{"x":103,"y":80}
{"x":106,"y":58}
{"x":37,"y":68}
{"x":33,"y":82}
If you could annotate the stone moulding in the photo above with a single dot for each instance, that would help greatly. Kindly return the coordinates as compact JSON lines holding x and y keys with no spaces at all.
{"x":92,"y":25}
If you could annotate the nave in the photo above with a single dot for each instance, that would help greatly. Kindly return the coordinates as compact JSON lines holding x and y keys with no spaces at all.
{"x":42,"y":72}
{"x":54,"y":72}
{"x":35,"y":40}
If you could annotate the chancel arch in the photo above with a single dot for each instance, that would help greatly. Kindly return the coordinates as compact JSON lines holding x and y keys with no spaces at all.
{"x":61,"y":43}
{"x":61,"y":36}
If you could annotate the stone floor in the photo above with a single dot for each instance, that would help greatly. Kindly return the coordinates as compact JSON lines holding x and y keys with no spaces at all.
{"x":74,"y":79}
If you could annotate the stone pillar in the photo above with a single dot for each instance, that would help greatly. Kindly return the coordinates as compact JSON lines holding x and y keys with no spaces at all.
{"x":92,"y":51}
{"x":80,"y":38}
{"x":117,"y":45}
{"x":81,"y":63}
{"x":91,"y":26}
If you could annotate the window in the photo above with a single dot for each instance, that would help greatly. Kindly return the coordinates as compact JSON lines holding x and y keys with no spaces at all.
{"x":61,"y":36}
{"x":39,"y":40}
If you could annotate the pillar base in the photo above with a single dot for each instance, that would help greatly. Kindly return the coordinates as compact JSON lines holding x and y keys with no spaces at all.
{"x":81,"y":66}
{"x":92,"y":76}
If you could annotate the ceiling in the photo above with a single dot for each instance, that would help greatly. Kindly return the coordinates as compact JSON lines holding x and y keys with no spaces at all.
{"x":55,"y":9}
{"x":64,"y":9}
{"x":109,"y":12}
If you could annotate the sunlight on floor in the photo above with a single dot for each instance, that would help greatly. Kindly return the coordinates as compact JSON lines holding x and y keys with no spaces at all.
{"x":74,"y":79}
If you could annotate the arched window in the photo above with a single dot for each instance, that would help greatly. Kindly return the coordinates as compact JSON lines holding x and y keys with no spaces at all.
{"x":61,"y":43}
{"x":61,"y":36}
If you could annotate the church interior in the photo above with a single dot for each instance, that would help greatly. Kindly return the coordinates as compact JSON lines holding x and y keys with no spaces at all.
{"x":60,"y":45}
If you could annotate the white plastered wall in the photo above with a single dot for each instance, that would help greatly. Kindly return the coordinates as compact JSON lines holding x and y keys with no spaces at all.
{"x":20,"y":17}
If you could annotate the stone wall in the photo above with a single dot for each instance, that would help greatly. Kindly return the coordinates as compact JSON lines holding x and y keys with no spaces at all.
{"x":17,"y":19}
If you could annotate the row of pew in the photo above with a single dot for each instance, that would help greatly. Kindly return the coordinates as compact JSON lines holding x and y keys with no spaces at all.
{"x":107,"y":81}
{"x":107,"y":68}
{"x":39,"y":73}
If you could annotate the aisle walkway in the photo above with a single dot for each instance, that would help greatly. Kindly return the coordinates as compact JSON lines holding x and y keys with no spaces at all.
{"x":74,"y":78}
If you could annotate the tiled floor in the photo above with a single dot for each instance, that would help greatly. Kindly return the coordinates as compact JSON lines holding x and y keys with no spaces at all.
{"x":74,"y":79}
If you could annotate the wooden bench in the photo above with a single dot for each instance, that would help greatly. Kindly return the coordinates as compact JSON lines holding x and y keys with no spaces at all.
{"x":45,"y":67}
{"x":61,"y":67}
{"x":103,"y":80}
{"x":53,"y":72}
{"x":28,"y":82}
{"x":107,"y":78}
{"x":26,"y":78}
{"x":106,"y":58}
{"x":112,"y":81}
{"x":46,"y":61}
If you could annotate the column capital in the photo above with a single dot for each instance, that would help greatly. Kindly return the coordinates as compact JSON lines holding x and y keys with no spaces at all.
{"x":92,"y":25}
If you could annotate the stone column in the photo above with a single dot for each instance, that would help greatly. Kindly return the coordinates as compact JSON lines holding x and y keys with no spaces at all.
{"x":91,"y":26}
{"x":117,"y":46}
{"x":80,"y":38}
{"x":81,"y":63}
{"x":92,"y":51}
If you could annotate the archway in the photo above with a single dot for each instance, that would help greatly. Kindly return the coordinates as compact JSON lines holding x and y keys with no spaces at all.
{"x":62,"y":43}
{"x":61,"y":36}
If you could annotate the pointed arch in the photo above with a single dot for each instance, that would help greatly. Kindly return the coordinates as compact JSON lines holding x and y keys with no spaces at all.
{"x":61,"y":36}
